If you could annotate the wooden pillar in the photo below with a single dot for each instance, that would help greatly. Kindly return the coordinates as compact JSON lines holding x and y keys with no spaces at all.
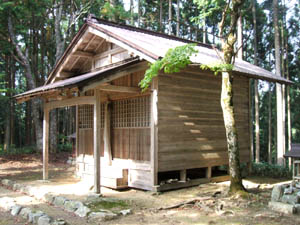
{"x":77,"y":132}
{"x":183,"y":175}
{"x":154,"y":139}
{"x":208,"y":172}
{"x":97,"y":119}
{"x":107,"y":145}
{"x":251,"y":149}
{"x":45,"y":143}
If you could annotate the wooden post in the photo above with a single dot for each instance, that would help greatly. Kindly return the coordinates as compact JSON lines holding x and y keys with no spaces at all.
{"x":183,"y":175}
{"x":107,"y":145}
{"x":45,"y":143}
{"x":208,"y":172}
{"x":249,"y":164}
{"x":77,"y":133}
{"x":97,"y":119}
{"x":154,"y":119}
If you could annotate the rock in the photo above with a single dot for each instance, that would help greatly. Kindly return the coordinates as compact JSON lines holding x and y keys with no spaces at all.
{"x":72,"y":206}
{"x":282,"y":207}
{"x":8,"y":183}
{"x":297,"y":206}
{"x":126,"y":212}
{"x":15,"y":210}
{"x":82,"y":211}
{"x":7,"y":203}
{"x":24,"y":189}
{"x":288,"y":190}
{"x":16,"y":187}
{"x":102,"y":215}
{"x":25,"y":212}
{"x":48,"y":198}
{"x":59,"y":201}
{"x":290,"y":199}
{"x":297,"y":185}
{"x":34,"y":217}
{"x":59,"y":222}
{"x":44,"y":220}
{"x":277,"y":193}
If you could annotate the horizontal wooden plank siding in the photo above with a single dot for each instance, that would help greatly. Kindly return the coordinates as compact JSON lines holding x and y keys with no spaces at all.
{"x":191,"y":131}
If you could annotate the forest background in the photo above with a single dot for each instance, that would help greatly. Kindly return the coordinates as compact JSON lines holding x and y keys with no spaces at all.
{"x":34,"y":34}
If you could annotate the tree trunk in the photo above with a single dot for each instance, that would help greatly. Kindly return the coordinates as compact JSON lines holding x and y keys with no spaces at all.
{"x":161,"y":15}
{"x":170,"y":17}
{"x":139,"y":13}
{"x":270,"y":126}
{"x":131,"y":12}
{"x":227,"y":96}
{"x":257,"y":140}
{"x":279,"y":102}
{"x":36,"y":103}
{"x":178,"y":18}
{"x":204,"y":30}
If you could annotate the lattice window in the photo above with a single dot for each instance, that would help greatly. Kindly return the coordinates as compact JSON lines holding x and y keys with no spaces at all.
{"x":86,"y":116}
{"x":133,"y":112}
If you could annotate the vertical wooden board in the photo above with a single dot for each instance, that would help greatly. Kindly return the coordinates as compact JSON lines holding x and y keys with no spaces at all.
{"x":133,"y":144}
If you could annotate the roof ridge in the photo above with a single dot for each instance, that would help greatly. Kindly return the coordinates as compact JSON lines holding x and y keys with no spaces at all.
{"x":92,"y":18}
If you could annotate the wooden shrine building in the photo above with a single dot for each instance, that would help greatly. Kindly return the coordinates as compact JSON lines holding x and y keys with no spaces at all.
{"x":167,"y":137}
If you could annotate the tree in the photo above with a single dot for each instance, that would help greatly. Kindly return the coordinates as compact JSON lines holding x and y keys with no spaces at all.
{"x":257,"y":145}
{"x":280,"y":134}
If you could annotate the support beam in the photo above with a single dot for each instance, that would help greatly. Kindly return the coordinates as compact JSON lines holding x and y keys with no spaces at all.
{"x":83,"y":54}
{"x":154,"y":138}
{"x":65,"y":74}
{"x":107,"y":140}
{"x":70,"y":102}
{"x":208,"y":172}
{"x":183,"y":175}
{"x":119,"y":73}
{"x":123,"y":89}
{"x":97,"y":135}
{"x":45,"y":143}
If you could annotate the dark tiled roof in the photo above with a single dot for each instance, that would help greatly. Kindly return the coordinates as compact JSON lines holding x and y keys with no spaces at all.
{"x":295,"y":151}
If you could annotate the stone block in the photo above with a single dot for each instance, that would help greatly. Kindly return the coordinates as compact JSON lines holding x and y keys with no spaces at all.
{"x":49,"y":198}
{"x":282,"y":207}
{"x":126,"y":212}
{"x":15,"y":210}
{"x":277,"y":193}
{"x":82,"y":211}
{"x":290,"y":199}
{"x":72,"y":206}
{"x":44,"y":220}
{"x":25,"y":212}
{"x":34,"y":216}
{"x":59,"y":201}
{"x":102,"y":216}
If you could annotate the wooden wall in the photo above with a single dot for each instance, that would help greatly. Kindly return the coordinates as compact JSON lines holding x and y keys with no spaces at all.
{"x":191,"y":131}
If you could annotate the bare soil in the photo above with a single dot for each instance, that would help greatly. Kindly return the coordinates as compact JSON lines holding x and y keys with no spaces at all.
{"x":214,"y":206}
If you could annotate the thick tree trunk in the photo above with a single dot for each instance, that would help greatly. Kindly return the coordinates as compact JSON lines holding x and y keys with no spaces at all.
{"x":227,"y":96}
{"x":161,"y":15}
{"x":36,"y":103}
{"x":170,"y":18}
{"x":178,"y":18}
{"x":270,"y":126}
{"x":257,"y":140}
{"x":131,"y":12}
{"x":231,"y":133}
{"x":279,"y":102}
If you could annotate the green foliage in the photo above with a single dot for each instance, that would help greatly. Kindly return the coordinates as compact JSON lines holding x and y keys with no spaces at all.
{"x":12,"y":150}
{"x":217,"y":67}
{"x":174,"y":60}
{"x":264,"y":169}
{"x":64,"y":144}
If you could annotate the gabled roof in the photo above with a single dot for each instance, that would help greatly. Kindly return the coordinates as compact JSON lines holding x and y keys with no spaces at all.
{"x":148,"y":45}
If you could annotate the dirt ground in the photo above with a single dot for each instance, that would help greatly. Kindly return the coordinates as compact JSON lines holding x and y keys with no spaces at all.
{"x":212,"y":205}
